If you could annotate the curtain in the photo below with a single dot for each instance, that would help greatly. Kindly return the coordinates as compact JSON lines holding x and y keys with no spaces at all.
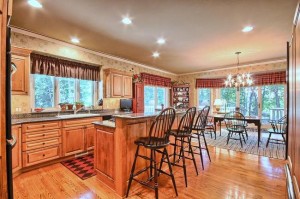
{"x":270,"y":78}
{"x":45,"y":65}
{"x":210,"y":83}
{"x":155,"y":80}
{"x":258,"y":80}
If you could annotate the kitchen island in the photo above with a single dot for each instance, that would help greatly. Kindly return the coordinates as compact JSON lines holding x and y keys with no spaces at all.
{"x":114,"y":147}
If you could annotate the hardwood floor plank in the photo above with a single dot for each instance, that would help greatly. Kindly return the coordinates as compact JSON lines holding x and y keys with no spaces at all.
{"x":230,"y":175}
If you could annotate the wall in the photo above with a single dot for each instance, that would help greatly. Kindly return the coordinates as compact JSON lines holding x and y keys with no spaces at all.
{"x":66,"y":51}
{"x":294,"y":104}
{"x":259,"y":68}
{"x":53,"y":48}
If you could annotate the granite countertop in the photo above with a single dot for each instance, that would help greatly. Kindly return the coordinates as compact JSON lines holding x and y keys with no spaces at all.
{"x":61,"y":117}
{"x":106,"y":123}
{"x":143,"y":115}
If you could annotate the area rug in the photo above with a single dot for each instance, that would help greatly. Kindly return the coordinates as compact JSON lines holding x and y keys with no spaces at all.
{"x":83,"y":166}
{"x":276,"y":151}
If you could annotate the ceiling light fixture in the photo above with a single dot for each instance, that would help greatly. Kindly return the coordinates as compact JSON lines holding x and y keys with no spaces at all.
{"x":240,"y":79}
{"x":75,"y":40}
{"x":247,"y":29}
{"x":155,"y":54}
{"x":161,"y":41}
{"x":35,"y":3}
{"x":126,"y":20}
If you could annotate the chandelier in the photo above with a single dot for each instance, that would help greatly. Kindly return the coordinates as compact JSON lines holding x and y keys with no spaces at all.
{"x":240,"y":79}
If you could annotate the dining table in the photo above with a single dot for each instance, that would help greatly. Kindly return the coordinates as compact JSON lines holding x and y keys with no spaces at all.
{"x":218,"y":118}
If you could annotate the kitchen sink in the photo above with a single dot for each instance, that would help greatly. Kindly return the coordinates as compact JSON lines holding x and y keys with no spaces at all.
{"x":77,"y":115}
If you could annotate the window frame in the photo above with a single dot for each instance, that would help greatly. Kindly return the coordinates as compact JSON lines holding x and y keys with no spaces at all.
{"x":167,"y":99}
{"x":211,"y":97}
{"x":217,"y":95}
{"x":96,"y":92}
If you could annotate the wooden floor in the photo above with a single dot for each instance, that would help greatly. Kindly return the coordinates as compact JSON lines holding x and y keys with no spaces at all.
{"x":230,"y":175}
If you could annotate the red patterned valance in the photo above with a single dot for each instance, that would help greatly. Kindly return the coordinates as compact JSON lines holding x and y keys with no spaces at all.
{"x":258,"y":80}
{"x":155,"y":80}
{"x":269,"y":78}
{"x":210,"y":83}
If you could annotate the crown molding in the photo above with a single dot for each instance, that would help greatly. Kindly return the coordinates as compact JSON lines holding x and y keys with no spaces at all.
{"x":59,"y":42}
{"x":240,"y":66}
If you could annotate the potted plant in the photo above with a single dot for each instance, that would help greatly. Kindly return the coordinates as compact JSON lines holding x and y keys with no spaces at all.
{"x":63,"y":106}
{"x":78,"y":105}
{"x":70,"y":106}
{"x":136,"y":78}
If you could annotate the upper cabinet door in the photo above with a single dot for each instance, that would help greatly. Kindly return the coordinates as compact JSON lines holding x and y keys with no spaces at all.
{"x":127,"y":86}
{"x":117,"y":85}
{"x":20,"y":77}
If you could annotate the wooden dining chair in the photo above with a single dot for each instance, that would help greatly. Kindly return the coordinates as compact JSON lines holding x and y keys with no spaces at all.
{"x":279,"y":127}
{"x":235,"y":124}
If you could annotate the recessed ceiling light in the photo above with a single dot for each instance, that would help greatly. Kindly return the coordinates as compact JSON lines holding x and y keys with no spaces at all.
{"x":34,"y":3}
{"x":126,"y":20}
{"x":247,"y":29}
{"x":161,"y":41}
{"x":155,"y":54}
{"x":75,"y":40}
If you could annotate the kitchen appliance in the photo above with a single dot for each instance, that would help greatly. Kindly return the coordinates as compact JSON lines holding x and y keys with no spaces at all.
{"x":11,"y":140}
{"x":126,"y":105}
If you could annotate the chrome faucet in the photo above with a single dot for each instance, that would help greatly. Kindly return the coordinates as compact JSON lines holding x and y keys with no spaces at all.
{"x":75,"y":111}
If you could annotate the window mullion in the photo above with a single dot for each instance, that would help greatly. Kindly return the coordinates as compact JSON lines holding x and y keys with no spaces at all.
{"x":56,"y":91}
{"x":77,"y":89}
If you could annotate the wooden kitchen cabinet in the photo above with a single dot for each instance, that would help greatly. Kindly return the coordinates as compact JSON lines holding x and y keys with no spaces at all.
{"x":73,"y":140}
{"x":138,"y":98}
{"x":41,"y":142}
{"x":78,"y":135}
{"x":118,"y":84}
{"x":16,"y":151}
{"x":90,"y":132}
{"x":20,"y":79}
{"x":104,"y":156}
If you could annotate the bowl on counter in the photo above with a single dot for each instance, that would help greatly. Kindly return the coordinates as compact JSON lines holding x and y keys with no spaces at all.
{"x":38,"y":110}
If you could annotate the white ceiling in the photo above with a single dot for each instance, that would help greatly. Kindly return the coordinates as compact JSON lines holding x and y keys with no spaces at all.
{"x":200,"y":34}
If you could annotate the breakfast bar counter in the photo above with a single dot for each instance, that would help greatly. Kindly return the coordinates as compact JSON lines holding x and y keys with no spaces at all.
{"x":115,"y":148}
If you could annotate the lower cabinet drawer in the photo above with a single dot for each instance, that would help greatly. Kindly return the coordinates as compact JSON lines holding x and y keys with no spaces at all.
{"x":35,"y":157}
{"x":40,"y":144}
{"x":38,"y":135}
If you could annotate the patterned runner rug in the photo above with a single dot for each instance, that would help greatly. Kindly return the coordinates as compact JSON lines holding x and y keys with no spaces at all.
{"x":83,"y":166}
{"x":276,"y":151}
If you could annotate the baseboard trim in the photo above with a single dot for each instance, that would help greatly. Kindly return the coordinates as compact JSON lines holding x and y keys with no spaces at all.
{"x":296,"y":187}
{"x":290,"y":163}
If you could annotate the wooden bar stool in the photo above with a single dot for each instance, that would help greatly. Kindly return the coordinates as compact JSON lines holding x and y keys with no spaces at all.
{"x":157,"y":141}
{"x":183,"y":135}
{"x":198,"y":131}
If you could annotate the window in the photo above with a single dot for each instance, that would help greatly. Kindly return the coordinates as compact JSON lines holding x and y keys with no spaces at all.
{"x":49,"y":91}
{"x":44,"y":91}
{"x":154,"y":97}
{"x":86,"y":90}
{"x":66,"y":90}
{"x":272,"y":102}
{"x":229,"y":94}
{"x":266,"y":102}
{"x":204,"y":95}
{"x":249,"y":101}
